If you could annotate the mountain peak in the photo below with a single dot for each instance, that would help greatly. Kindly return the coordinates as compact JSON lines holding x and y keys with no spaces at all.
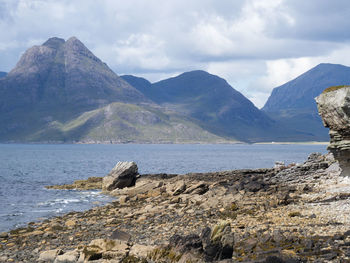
{"x":54,"y":42}
{"x":73,"y":41}
{"x":63,"y":72}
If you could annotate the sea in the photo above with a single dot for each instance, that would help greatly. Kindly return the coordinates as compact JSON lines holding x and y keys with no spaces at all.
{"x":25,"y":170}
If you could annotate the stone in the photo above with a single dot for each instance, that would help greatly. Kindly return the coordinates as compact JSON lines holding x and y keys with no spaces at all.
{"x":180,"y":187}
{"x":49,"y":255}
{"x":120,"y":235}
{"x":140,"y":251}
{"x":334,"y":108}
{"x":122,"y":175}
{"x":187,"y":243}
{"x":104,"y":248}
{"x":123,"y":199}
{"x":199,"y":188}
{"x":70,"y":223}
{"x":68,"y":257}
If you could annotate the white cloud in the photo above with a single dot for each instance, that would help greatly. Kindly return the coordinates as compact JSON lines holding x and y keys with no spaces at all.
{"x":255,"y":44}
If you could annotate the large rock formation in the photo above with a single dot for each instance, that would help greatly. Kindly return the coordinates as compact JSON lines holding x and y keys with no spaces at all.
{"x":122,"y":175}
{"x":334,"y":108}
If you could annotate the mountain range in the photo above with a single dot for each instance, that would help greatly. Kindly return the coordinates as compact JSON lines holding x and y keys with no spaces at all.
{"x":293,"y":104}
{"x":61,"y":92}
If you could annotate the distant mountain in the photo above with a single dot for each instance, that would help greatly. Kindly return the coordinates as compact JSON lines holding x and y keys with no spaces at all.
{"x":142,"y":84}
{"x":61,"y":92}
{"x":61,"y":73}
{"x":57,"y":81}
{"x":214,"y":104}
{"x":293,"y":104}
{"x":2,"y":74}
{"x":122,"y":123}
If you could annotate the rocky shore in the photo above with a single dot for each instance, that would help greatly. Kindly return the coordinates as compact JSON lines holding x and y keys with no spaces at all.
{"x":293,"y":213}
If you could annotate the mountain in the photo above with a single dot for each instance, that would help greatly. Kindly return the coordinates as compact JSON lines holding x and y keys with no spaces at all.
{"x":2,"y":74}
{"x":61,"y":92}
{"x":60,"y":73}
{"x":293,"y":104}
{"x":214,"y":104}
{"x":122,"y":123}
{"x":57,"y":81}
{"x":141,"y":84}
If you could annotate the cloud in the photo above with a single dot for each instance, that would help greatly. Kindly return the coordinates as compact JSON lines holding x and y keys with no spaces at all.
{"x":254,"y":44}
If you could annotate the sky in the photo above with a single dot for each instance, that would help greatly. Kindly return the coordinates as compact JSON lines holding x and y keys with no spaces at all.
{"x":256,"y":45}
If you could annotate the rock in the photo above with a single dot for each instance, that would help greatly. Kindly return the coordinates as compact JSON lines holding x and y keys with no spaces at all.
{"x":199,"y":188}
{"x":70,"y":223}
{"x":140,"y":251}
{"x":122,"y":175}
{"x":180,"y":187}
{"x":105,"y":248}
{"x":187,"y":243}
{"x":334,"y":108}
{"x":3,"y":235}
{"x":120,"y":235}
{"x":68,"y":257}
{"x":123,"y":199}
{"x":49,"y":255}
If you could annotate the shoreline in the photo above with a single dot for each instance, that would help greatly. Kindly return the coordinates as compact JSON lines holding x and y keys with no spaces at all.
{"x":249,"y":214}
{"x":167,"y":143}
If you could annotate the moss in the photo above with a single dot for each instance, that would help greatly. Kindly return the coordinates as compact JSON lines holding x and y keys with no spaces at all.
{"x":218,"y":230}
{"x":133,"y":259}
{"x":164,"y":255}
{"x":333,"y":88}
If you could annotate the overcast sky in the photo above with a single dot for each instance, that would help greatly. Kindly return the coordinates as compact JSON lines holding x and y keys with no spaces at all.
{"x":255,"y":45}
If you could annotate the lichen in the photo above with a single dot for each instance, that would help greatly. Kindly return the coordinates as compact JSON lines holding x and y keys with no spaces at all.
{"x":333,"y":88}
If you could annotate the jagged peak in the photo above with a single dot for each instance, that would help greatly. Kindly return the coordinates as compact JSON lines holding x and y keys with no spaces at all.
{"x":54,"y":42}
{"x":74,"y":39}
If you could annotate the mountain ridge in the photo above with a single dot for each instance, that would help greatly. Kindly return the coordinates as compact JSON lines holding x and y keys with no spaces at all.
{"x":293,"y":104}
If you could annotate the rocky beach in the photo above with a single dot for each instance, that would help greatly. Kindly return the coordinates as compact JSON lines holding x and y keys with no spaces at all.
{"x":294,"y":213}
{"x":288,"y":213}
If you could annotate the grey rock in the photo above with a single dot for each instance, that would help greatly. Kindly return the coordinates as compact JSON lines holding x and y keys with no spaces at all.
{"x":3,"y":235}
{"x":334,"y":108}
{"x":180,"y":187}
{"x":122,"y":175}
{"x":68,"y":257}
{"x":49,"y":255}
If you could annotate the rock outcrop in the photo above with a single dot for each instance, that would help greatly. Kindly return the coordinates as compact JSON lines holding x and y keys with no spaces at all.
{"x":290,"y":213}
{"x":334,"y":107}
{"x":122,"y":175}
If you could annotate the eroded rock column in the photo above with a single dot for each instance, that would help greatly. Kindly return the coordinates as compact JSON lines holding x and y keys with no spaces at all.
{"x":334,"y":108}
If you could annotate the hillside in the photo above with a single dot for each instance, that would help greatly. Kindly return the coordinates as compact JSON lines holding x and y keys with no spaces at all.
{"x":122,"y":123}
{"x":215,"y":105}
{"x":61,"y":92}
{"x":57,"y":81}
{"x":293,"y":104}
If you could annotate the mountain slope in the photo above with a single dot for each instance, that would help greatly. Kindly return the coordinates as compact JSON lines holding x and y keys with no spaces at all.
{"x":120,"y":123}
{"x":58,"y":80}
{"x":215,"y":105}
{"x":293,"y":104}
{"x":141,"y":84}
{"x":63,"y":73}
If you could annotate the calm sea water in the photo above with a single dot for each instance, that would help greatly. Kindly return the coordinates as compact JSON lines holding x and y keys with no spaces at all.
{"x":26,"y":169}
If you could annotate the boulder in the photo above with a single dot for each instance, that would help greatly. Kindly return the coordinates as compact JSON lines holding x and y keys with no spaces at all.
{"x":49,"y":255}
{"x":68,"y":257}
{"x":105,"y":248}
{"x":334,"y":108}
{"x":122,"y":175}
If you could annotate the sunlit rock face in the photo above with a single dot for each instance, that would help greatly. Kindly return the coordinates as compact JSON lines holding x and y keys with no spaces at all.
{"x":334,"y":108}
